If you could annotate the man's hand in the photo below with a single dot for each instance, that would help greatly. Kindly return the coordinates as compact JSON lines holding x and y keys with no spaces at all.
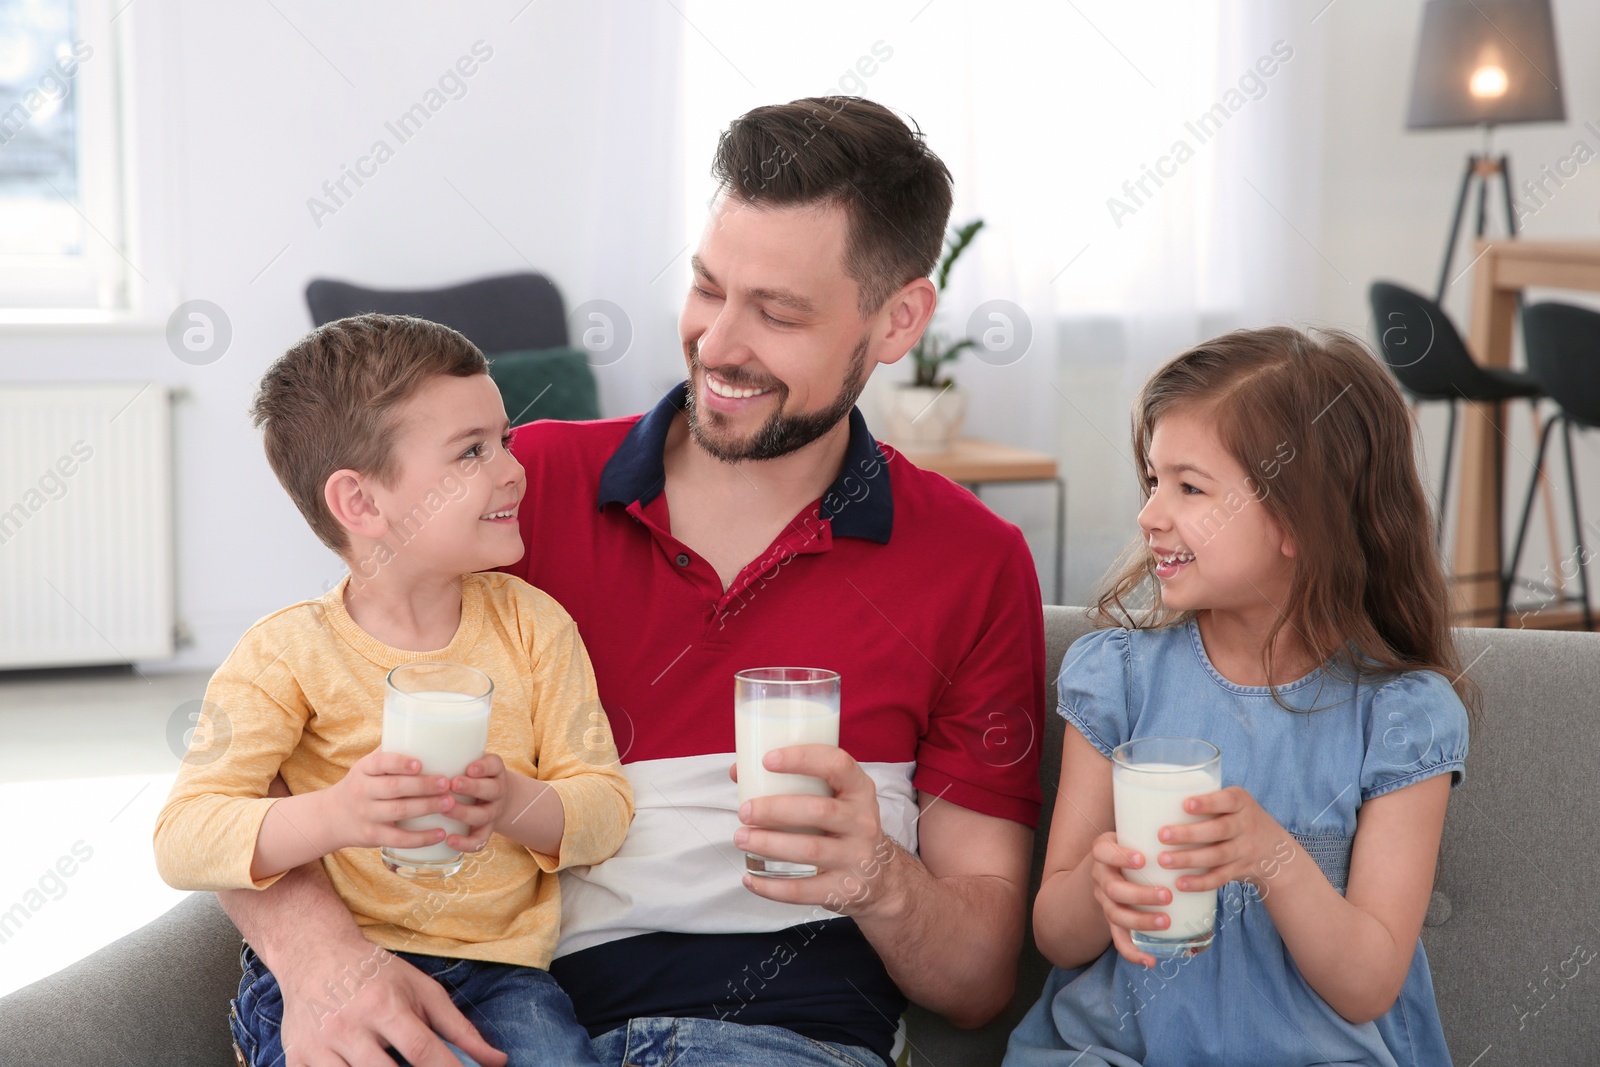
{"x":485,"y":782}
{"x":947,"y":924}
{"x":379,"y":790}
{"x":356,"y":1002}
{"x":850,"y":853}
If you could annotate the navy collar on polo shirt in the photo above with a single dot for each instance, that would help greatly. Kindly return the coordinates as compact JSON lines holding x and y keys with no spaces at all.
{"x":857,"y":504}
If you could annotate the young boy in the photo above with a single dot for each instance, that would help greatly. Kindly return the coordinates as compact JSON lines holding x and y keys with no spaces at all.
{"x":391,"y":438}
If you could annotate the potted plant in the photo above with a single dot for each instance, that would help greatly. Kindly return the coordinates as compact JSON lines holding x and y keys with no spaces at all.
{"x":926,"y":413}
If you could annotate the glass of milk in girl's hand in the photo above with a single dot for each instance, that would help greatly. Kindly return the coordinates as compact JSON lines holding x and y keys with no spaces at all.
{"x":437,"y":713}
{"x":1151,"y":777}
{"x":775,"y":707}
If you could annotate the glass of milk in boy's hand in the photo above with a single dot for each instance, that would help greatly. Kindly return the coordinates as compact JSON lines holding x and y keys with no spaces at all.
{"x":437,"y":713}
{"x":1151,"y":777}
{"x":774,"y":707}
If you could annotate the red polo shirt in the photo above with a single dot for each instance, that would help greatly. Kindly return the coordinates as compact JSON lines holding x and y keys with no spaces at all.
{"x":923,"y":600}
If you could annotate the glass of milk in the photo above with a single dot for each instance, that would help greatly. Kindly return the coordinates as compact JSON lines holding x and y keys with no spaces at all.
{"x":1151,"y":777}
{"x":437,"y":713}
{"x":774,"y":707}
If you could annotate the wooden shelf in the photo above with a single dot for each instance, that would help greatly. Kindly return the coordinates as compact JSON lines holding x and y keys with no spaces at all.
{"x":971,"y":460}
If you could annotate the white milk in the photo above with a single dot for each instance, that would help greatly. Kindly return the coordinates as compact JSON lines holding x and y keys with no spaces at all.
{"x":759,"y":726}
{"x":1146,"y":799}
{"x":446,"y":731}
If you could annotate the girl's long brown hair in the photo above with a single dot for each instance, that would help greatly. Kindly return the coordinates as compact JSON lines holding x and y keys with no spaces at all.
{"x":1369,"y":591}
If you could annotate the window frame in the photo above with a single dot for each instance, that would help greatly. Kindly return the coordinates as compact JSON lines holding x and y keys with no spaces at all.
{"x":99,"y":281}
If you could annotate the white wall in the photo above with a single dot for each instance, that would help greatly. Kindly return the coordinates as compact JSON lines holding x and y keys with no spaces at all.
{"x":560,"y":154}
{"x":1388,"y":196}
{"x":565,"y":150}
{"x":1372,"y":201}
{"x":1388,"y":193}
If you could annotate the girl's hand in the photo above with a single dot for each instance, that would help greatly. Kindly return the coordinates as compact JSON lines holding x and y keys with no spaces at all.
{"x":1240,"y":843}
{"x":1116,"y":896}
{"x":485,"y":783}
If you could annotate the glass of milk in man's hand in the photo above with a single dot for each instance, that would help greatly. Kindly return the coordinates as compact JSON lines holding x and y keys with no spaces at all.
{"x":437,"y":713}
{"x":774,"y":707}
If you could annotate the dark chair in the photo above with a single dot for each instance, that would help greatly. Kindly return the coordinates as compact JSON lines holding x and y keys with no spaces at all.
{"x":1563,"y":345}
{"x":508,"y":313}
{"x":517,"y":320}
{"x":1427,"y":356}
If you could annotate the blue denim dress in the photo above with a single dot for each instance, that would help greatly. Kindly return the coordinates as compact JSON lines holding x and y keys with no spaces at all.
{"x":1243,"y":1001}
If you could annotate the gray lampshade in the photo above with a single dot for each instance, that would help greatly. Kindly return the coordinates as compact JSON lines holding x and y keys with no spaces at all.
{"x":1482,"y":61}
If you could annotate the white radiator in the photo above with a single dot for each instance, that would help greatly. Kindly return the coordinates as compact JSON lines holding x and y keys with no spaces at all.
{"x":86,"y":549}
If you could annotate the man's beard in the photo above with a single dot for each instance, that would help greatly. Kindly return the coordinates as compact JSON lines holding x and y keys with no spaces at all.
{"x":781,"y":434}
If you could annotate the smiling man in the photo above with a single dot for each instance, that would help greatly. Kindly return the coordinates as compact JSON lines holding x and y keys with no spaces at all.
{"x":751,"y":520}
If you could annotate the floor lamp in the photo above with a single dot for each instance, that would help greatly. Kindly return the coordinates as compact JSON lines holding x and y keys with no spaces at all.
{"x":1484,"y":63}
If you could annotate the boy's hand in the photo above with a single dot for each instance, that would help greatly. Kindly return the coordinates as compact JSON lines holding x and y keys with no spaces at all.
{"x":1242,"y":843}
{"x":1117,"y":896}
{"x":485,"y":782}
{"x":380,"y":789}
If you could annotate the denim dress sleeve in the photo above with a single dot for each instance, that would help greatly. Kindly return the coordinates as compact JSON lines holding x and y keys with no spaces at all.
{"x":1417,"y":729}
{"x":1096,"y":679}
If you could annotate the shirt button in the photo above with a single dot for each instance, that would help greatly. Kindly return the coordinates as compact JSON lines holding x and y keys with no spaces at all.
{"x":683,"y":559}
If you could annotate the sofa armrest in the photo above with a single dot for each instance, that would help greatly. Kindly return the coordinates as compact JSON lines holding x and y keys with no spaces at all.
{"x":158,"y":996}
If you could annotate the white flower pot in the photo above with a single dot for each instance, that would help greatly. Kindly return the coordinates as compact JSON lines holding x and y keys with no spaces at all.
{"x":924,"y":419}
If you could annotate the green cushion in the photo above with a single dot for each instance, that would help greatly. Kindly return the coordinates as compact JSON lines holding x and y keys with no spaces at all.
{"x":549,"y":383}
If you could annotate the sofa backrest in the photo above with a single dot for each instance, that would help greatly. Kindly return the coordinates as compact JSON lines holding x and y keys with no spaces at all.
{"x":933,"y":1042}
{"x":1513,"y":938}
{"x":1513,"y":934}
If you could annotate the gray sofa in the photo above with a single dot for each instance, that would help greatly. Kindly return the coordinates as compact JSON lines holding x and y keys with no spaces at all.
{"x":1513,"y":933}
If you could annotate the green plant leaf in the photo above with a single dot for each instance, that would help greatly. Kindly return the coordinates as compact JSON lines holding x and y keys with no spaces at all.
{"x":956,"y":244}
{"x":930,"y":353}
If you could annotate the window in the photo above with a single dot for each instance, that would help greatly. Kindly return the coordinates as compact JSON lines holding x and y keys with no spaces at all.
{"x":61,"y":243}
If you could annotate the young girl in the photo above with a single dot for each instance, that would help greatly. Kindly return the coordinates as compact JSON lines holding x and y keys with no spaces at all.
{"x":1300,"y":624}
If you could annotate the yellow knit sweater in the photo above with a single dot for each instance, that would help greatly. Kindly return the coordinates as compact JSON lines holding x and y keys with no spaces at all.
{"x":302,"y":695}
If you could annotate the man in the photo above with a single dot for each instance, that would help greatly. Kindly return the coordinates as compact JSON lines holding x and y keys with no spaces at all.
{"x":750,"y":520}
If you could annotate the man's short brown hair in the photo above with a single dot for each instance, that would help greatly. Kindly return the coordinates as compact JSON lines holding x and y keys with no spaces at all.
{"x":855,"y":153}
{"x":328,"y":403}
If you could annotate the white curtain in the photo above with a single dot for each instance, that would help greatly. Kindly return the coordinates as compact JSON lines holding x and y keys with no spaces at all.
{"x":626,"y":288}
{"x":1043,"y":111}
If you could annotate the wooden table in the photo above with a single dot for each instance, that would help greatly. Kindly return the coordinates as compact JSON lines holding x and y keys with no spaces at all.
{"x":973,"y":463}
{"x":1502,"y":270}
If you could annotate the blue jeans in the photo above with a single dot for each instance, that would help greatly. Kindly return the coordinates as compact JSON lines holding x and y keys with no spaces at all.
{"x":519,"y":1010}
{"x":662,"y":1042}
